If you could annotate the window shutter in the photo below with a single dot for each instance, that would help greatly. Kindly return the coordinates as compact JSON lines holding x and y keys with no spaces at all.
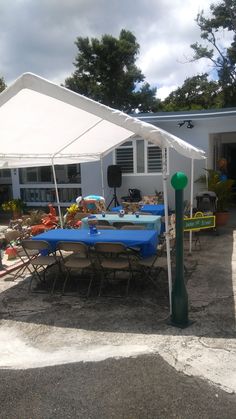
{"x":124,"y":158}
{"x":154,"y":159}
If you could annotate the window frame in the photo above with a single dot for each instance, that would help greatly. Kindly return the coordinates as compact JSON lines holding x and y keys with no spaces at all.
{"x":146,"y":145}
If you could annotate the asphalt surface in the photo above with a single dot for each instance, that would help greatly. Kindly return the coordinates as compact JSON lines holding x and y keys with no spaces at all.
{"x":131,"y":388}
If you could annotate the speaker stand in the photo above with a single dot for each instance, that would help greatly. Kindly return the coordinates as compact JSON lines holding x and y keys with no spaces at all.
{"x":114,"y":200}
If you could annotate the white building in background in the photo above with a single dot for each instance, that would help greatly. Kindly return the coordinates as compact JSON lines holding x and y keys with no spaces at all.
{"x":214,"y":131}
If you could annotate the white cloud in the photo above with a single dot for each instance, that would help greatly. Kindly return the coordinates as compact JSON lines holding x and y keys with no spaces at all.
{"x":164,"y":91}
{"x":39,"y":36}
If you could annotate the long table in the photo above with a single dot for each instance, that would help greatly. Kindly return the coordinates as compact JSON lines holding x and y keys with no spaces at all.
{"x":151,"y":222}
{"x":155,"y":209}
{"x":146,"y":240}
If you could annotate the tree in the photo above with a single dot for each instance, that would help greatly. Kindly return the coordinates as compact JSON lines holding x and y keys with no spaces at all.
{"x":196,"y":93}
{"x":2,"y":84}
{"x":106,"y":72}
{"x":223,"y":18}
{"x":145,"y":100}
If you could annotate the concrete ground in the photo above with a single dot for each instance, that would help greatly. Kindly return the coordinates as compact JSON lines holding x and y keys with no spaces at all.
{"x":85,"y":344}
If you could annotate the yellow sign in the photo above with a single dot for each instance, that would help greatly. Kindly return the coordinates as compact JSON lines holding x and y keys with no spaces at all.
{"x":199,"y":223}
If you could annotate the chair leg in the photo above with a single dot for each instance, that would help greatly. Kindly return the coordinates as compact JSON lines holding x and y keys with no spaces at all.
{"x":58,"y":266}
{"x":30,"y":283}
{"x":151,"y":277}
{"x":101,"y":283}
{"x":131,"y":276}
{"x":149,"y":272}
{"x":33,"y":275}
{"x":65,"y":282}
{"x":127,"y":287}
{"x":90,"y":284}
{"x":54,"y":283}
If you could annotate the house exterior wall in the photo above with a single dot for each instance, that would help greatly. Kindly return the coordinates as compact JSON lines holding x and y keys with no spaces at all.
{"x":199,"y":136}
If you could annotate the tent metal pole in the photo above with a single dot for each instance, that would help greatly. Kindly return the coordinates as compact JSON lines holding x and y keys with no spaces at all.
{"x":191,"y":205}
{"x":167,"y":237}
{"x":102,"y":178}
{"x":206,"y":167}
{"x":57,"y":194}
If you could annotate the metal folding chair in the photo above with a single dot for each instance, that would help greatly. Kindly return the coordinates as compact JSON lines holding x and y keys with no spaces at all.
{"x":152,"y":266}
{"x":120,"y":224}
{"x":113,"y":257}
{"x":42,"y":261}
{"x":105,"y":227}
{"x":14,"y":239}
{"x":133,"y":227}
{"x":103,"y":223}
{"x":75,"y":256}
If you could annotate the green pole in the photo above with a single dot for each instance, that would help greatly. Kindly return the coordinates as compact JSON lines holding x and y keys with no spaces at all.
{"x":179,"y":317}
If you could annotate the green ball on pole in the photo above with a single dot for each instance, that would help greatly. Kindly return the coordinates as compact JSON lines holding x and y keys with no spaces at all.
{"x":179,"y":181}
{"x":179,"y":317}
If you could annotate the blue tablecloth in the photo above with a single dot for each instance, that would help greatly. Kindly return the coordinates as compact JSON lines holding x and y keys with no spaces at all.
{"x":146,"y":240}
{"x":151,"y":222}
{"x":158,"y":209}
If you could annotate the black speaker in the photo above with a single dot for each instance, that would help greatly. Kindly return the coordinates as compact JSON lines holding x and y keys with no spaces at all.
{"x":114,"y":176}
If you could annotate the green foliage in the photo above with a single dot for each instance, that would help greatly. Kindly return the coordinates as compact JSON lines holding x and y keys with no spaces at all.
{"x":13,"y":205}
{"x":196,"y":93}
{"x":2,"y":84}
{"x":222,"y":188}
{"x":222,"y":20}
{"x":106,"y":72}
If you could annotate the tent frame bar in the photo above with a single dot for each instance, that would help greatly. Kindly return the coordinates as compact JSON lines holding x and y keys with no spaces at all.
{"x":167,"y":236}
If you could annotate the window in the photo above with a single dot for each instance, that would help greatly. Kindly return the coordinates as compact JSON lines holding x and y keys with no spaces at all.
{"x":65,"y":174}
{"x":154,"y":159}
{"x":73,"y":173}
{"x":4,"y":173}
{"x":31,"y":175}
{"x":49,"y":195}
{"x":125,"y":157}
{"x":139,"y":156}
{"x":45,"y":174}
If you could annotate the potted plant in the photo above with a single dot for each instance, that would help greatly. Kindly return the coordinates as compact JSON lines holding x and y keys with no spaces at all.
{"x":15,"y":206}
{"x":224,"y":192}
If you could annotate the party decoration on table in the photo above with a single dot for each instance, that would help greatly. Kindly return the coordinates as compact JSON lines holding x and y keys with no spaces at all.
{"x":91,"y":204}
{"x":121,"y":213}
{"x":92,"y":222}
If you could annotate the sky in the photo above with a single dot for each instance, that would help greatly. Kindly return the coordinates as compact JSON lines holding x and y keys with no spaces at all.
{"x":39,"y":36}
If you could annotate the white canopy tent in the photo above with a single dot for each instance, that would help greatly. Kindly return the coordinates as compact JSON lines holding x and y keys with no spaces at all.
{"x":42,"y":123}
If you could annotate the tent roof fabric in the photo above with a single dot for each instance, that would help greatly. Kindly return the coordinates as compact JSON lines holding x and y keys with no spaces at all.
{"x":41,"y":123}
